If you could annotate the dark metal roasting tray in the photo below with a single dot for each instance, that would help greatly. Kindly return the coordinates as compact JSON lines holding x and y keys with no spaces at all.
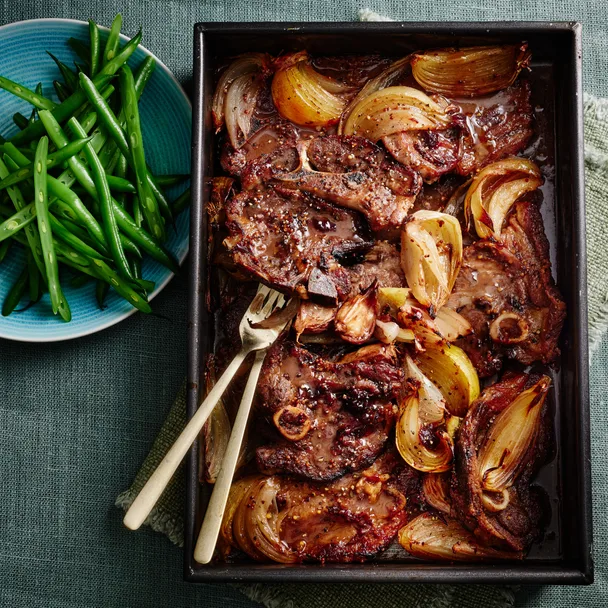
{"x":565,"y":555}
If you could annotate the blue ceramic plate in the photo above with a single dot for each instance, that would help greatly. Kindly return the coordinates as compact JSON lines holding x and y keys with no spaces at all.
{"x":166,"y":117}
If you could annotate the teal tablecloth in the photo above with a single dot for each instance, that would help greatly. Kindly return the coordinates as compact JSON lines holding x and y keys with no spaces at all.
{"x":77,"y":419}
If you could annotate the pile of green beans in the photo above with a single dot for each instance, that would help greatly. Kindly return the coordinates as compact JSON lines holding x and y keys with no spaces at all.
{"x":75,"y":188}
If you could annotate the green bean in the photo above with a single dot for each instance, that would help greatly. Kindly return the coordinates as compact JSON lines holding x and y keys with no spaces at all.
{"x":137,"y":216}
{"x":111,"y":165}
{"x":34,"y":278}
{"x":16,"y":154}
{"x":17,"y":221}
{"x":94,"y":47}
{"x":119,"y":184}
{"x":105,"y":204}
{"x":16,"y":293}
{"x":142,"y":238}
{"x":63,"y":192}
{"x":147,"y":200}
{"x":181,"y":202}
{"x":4,"y":249}
{"x":166,"y":181}
{"x":80,"y":48}
{"x":163,"y":203}
{"x":70,"y":222}
{"x":58,"y":301}
{"x":121,"y":172}
{"x":80,"y":280}
{"x":31,"y":233}
{"x":19,"y":90}
{"x":61,"y":90}
{"x":66,"y":109}
{"x":20,"y":120}
{"x":69,"y":77}
{"x":129,"y":246}
{"x":62,"y":155}
{"x":100,"y":270}
{"x":135,"y":268}
{"x":143,"y":73}
{"x":101,"y":291}
{"x":134,"y":154}
{"x":113,"y":41}
{"x":71,"y":239}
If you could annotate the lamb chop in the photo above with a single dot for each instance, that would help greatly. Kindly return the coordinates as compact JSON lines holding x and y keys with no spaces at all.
{"x":349,"y":171}
{"x":294,"y":242}
{"x":506,"y":292}
{"x":351,"y":518}
{"x":487,"y":134}
{"x":329,"y":418}
{"x":517,"y":523}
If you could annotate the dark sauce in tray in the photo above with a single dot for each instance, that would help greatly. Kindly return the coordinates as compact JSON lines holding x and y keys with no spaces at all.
{"x":227,"y":301}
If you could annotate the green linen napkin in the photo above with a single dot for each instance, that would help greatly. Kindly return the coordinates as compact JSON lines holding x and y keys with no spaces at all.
{"x":167,"y":517}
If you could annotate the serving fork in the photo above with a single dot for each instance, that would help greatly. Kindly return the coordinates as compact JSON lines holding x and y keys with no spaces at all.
{"x":253,"y":338}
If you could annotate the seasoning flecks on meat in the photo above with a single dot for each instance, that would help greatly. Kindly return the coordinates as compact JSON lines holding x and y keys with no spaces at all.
{"x":351,"y":518}
{"x":506,"y":292}
{"x":292,"y":242}
{"x":349,"y":171}
{"x":519,"y":524}
{"x":337,"y":415}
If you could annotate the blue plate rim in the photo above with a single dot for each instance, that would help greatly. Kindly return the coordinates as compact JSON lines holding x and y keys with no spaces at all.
{"x":162,"y":284}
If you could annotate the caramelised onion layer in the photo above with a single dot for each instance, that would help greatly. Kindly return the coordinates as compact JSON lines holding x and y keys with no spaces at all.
{"x":393,"y":110}
{"x":449,"y":368}
{"x":433,"y":537}
{"x":495,"y":190}
{"x":469,"y":72}
{"x":303,"y":95}
{"x":431,"y":255}
{"x":420,"y":440}
{"x":236,"y":95}
{"x":501,"y":456}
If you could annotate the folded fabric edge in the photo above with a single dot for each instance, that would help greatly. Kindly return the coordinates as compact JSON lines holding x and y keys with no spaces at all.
{"x":159,"y":520}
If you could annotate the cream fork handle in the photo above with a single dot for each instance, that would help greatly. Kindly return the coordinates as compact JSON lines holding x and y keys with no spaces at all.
{"x":207,"y":538}
{"x":150,"y":493}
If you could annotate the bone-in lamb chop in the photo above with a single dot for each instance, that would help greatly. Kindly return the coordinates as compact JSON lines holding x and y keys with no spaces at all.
{"x":506,"y":292}
{"x":328,"y":417}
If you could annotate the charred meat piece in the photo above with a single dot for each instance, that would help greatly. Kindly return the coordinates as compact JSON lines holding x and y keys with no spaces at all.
{"x":329,"y":417}
{"x":517,"y":524}
{"x":491,"y":129}
{"x":506,"y":292}
{"x":498,"y":130}
{"x":272,"y":136}
{"x":431,"y":153}
{"x":293,"y":242}
{"x":349,"y":171}
{"x":351,"y":518}
{"x":381,"y":263}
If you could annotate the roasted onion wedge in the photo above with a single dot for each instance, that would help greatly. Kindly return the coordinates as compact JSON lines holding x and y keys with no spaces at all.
{"x":304,"y":96}
{"x":236,"y":96}
{"x":386,"y":78}
{"x":452,"y":372}
{"x":431,"y":255}
{"x":247,"y":64}
{"x":513,"y":432}
{"x":494,"y":191}
{"x":431,"y":537}
{"x":238,"y":492}
{"x":393,"y":110}
{"x":421,"y":444}
{"x":356,"y":319}
{"x":256,"y":523}
{"x":313,"y":318}
{"x":469,"y":72}
{"x":447,"y":326}
{"x":436,"y":490}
